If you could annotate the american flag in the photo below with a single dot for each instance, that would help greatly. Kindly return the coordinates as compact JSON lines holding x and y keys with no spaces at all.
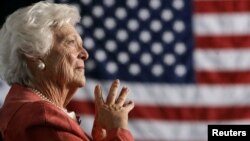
{"x":186,"y":63}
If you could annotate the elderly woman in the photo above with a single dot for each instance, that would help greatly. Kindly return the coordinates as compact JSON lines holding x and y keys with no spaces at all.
{"x":42,"y":59}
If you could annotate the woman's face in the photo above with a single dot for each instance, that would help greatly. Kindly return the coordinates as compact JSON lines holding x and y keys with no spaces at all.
{"x":65,"y":62}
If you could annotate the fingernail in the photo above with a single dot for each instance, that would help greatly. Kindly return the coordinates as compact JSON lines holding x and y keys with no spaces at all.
{"x":117,"y":81}
{"x":125,"y":88}
{"x":99,"y":87}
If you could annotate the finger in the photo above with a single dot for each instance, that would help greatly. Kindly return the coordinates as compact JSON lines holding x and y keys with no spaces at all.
{"x":122,"y":97}
{"x":96,"y":101}
{"x":112,"y":92}
{"x":96,"y":107}
{"x":98,"y":96}
{"x":129,"y":106}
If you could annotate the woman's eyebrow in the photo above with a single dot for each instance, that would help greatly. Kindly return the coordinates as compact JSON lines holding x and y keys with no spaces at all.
{"x":69,"y":37}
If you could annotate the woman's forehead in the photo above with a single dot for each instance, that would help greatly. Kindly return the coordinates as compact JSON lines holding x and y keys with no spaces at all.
{"x":66,"y":31}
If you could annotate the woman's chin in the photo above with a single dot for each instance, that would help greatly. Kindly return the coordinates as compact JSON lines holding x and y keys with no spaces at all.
{"x":81,"y":83}
{"x":79,"y":80}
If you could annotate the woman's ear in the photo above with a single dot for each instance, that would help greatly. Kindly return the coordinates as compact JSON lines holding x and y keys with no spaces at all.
{"x":28,"y":57}
{"x":34,"y":62}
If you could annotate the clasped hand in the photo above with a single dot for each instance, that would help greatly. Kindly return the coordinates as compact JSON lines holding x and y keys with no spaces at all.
{"x":114,"y":112}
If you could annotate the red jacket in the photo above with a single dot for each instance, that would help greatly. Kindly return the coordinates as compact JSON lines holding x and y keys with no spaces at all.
{"x":26,"y":117}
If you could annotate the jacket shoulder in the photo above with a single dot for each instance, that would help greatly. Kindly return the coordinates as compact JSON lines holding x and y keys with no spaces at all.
{"x":41,"y":113}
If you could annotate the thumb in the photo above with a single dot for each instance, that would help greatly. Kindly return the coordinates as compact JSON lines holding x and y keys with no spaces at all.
{"x":129,"y":106}
{"x":98,"y":95}
{"x":98,"y":99}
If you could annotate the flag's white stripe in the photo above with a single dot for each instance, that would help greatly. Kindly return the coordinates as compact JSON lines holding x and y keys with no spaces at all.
{"x":221,"y":24}
{"x":170,"y":95}
{"x":222,"y":60}
{"x":164,"y":130}
{"x":175,"y":95}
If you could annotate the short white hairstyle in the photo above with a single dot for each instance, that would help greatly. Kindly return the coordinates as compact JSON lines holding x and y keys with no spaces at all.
{"x":29,"y":30}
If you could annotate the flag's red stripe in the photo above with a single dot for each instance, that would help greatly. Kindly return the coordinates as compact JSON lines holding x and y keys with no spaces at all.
{"x":214,"y":42}
{"x":215,"y":77}
{"x":221,"y":6}
{"x":185,"y":113}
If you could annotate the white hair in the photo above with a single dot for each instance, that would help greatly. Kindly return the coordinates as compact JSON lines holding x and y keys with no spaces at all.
{"x":29,"y":31}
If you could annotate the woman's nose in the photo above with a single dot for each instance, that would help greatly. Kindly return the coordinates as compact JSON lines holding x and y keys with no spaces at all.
{"x":83,"y":54}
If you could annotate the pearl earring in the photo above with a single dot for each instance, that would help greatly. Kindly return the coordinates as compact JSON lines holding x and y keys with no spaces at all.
{"x":41,"y":65}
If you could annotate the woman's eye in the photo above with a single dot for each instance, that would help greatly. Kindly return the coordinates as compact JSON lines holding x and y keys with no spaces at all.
{"x":70,"y":42}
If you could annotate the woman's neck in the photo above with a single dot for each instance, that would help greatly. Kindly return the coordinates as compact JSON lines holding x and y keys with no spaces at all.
{"x":56,"y":94}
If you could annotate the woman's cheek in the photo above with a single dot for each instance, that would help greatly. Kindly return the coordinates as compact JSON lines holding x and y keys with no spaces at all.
{"x":63,"y":69}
